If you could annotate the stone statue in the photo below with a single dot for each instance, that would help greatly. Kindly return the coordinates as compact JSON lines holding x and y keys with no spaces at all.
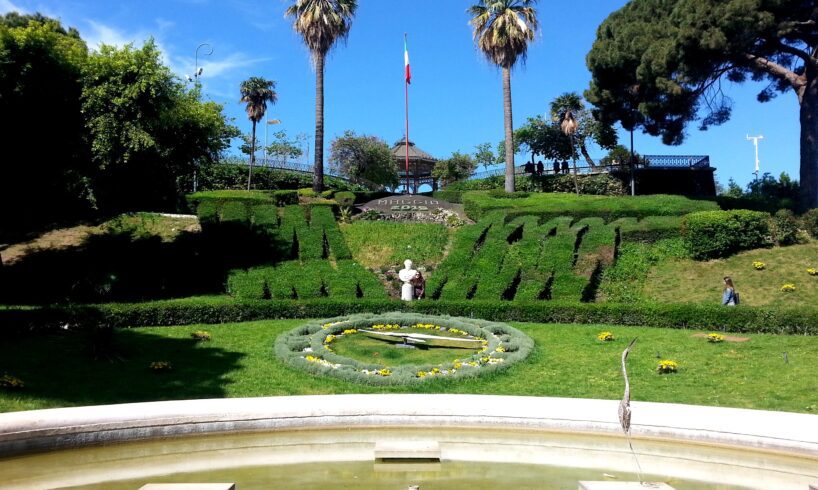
{"x":407,"y":275}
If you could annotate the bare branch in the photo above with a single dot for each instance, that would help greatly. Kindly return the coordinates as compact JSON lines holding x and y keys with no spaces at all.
{"x":777,"y":71}
{"x":797,"y":52}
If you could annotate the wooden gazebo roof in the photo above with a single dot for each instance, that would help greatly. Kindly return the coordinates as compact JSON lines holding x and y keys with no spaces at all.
{"x":416,"y":155}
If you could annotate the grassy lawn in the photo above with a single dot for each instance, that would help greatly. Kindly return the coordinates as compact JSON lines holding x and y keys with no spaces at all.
{"x":689,"y":281}
{"x":378,"y":244}
{"x":567,"y":361}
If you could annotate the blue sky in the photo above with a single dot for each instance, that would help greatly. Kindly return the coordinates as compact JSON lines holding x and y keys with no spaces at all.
{"x":455,"y":97}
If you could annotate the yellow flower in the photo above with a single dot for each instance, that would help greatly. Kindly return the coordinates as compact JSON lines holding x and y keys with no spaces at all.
{"x":457,"y":365}
{"x":422,"y":374}
{"x":811,"y":271}
{"x":759,"y":266}
{"x":384,"y":372}
{"x":667,"y":366}
{"x":605,"y":336}
{"x":350,"y":331}
{"x":200,"y":335}
{"x":500,"y":349}
{"x":329,"y":338}
{"x":715,"y":337}
{"x":788,"y":288}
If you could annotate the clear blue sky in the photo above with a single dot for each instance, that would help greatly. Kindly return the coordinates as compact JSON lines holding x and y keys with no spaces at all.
{"x":455,"y":97}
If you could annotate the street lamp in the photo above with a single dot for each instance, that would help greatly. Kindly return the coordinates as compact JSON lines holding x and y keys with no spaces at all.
{"x":197,"y":72}
{"x":269,"y":123}
{"x":755,"y":139}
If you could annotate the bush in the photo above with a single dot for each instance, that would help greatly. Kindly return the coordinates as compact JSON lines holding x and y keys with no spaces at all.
{"x":478,"y":203}
{"x":502,"y":194}
{"x":227,"y":176}
{"x":307,"y":192}
{"x":785,"y":227}
{"x":713,"y":234}
{"x":449,"y":196}
{"x":345,"y":199}
{"x":650,"y":229}
{"x":279,"y":198}
{"x":222,"y":309}
{"x":309,"y":347}
{"x":809,"y":221}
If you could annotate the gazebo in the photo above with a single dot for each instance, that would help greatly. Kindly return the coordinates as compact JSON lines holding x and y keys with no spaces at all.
{"x":420,"y":166}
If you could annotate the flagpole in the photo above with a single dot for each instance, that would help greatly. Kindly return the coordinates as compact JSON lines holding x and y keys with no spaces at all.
{"x":406,"y":88}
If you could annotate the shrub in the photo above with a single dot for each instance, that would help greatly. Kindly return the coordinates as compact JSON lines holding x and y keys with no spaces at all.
{"x":309,"y":347}
{"x":345,"y":199}
{"x":809,"y":221}
{"x":478,"y":204}
{"x":224,"y":176}
{"x":448,"y":195}
{"x":785,"y":227}
{"x":650,"y":229}
{"x":712,"y":234}
{"x":307,"y":192}
{"x":223,"y":309}
{"x":502,"y":194}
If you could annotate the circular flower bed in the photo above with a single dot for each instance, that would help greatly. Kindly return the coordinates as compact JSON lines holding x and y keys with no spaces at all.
{"x":310,"y":347}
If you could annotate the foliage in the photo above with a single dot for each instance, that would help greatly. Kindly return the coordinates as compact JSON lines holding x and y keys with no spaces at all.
{"x":309,"y":347}
{"x":219,"y":309}
{"x":715,"y":338}
{"x":345,"y":199}
{"x":146,"y":129}
{"x":161,"y":366}
{"x":283,"y":148}
{"x":232,"y":174}
{"x":544,"y":138}
{"x":659,"y":65}
{"x":809,"y":221}
{"x":484,"y":155}
{"x":41,"y":76}
{"x":479,"y":204}
{"x":10,"y":382}
{"x":501,"y":194}
{"x":605,"y":336}
{"x":279,"y":198}
{"x":759,"y":265}
{"x":589,"y":127}
{"x":457,"y":167}
{"x":619,"y":156}
{"x":784,"y":227}
{"x":763,"y":194}
{"x":201,"y":335}
{"x":365,"y":159}
{"x":712,"y":234}
{"x":667,"y":367}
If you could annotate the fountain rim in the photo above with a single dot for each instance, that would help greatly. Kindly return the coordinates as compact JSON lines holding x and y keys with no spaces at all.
{"x":793,"y":434}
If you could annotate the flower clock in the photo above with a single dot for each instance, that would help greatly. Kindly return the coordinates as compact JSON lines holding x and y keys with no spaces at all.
{"x":402,"y":348}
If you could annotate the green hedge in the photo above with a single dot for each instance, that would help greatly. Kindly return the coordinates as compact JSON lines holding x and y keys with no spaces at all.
{"x":450,"y":196}
{"x":219,"y":309}
{"x":229,"y":176}
{"x":712,"y":234}
{"x":650,"y":229}
{"x":598,"y":185}
{"x":345,"y":199}
{"x":478,"y":203}
{"x":279,"y":198}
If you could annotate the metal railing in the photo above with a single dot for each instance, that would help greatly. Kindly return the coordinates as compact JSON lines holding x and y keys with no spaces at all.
{"x":647,"y":161}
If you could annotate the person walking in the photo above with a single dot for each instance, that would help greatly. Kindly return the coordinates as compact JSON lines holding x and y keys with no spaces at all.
{"x":729,"y":296}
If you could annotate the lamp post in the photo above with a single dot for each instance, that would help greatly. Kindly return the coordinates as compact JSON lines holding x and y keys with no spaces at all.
{"x":755,"y":139}
{"x":196,"y":74}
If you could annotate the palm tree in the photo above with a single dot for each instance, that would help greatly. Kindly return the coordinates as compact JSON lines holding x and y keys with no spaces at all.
{"x":502,"y":31}
{"x":321,"y":23}
{"x":256,"y":92}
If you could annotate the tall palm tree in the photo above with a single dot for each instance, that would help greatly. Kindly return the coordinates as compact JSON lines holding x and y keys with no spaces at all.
{"x":256,"y":92}
{"x":321,"y":23}
{"x":502,"y":31}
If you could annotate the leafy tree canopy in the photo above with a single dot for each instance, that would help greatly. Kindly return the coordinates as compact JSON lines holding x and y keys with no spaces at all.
{"x":457,"y":167}
{"x":659,"y":64}
{"x":364,"y":159}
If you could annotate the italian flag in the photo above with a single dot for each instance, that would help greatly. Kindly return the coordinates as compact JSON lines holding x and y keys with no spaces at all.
{"x":406,"y":61}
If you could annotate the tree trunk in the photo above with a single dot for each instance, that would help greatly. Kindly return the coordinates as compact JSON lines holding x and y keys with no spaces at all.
{"x":584,"y":150}
{"x":252,"y":156}
{"x":318,"y":173}
{"x":509,"y":130}
{"x":809,"y":141}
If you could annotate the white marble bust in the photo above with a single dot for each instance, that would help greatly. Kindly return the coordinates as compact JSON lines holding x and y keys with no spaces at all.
{"x":406,"y":275}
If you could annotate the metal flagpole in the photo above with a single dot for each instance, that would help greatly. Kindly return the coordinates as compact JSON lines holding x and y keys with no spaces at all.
{"x":406,"y":88}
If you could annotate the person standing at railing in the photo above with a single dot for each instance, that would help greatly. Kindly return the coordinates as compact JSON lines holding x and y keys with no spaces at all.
{"x":565,"y":167}
{"x":556,"y":166}
{"x":540,"y":168}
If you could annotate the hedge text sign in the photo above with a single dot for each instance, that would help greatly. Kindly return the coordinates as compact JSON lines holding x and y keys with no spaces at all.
{"x":406,"y":204}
